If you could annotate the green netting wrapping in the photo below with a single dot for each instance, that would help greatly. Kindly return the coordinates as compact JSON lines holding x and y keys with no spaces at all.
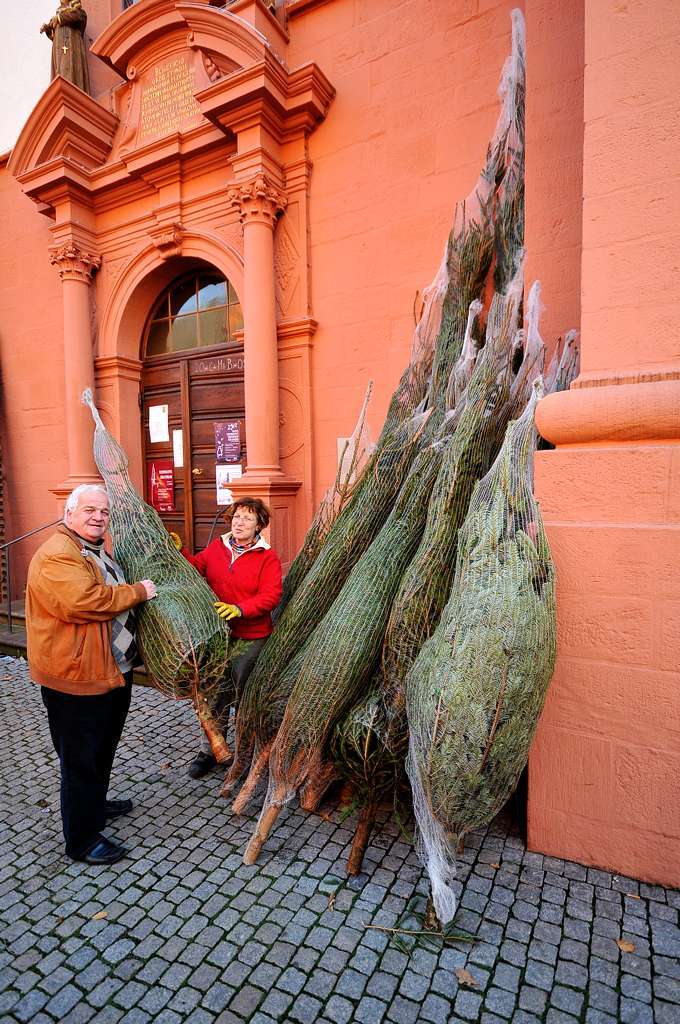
{"x":265,"y":694}
{"x":184,"y":644}
{"x":340,"y":655}
{"x":459,"y":282}
{"x":360,"y":755}
{"x":351,"y":465}
{"x":370,"y":743}
{"x":508,"y":213}
{"x":476,"y":690}
{"x":427,"y":581}
{"x":564,"y":365}
{"x":426,"y":584}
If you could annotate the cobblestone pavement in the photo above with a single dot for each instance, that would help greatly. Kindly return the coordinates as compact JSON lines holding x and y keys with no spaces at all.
{"x":190,"y":934}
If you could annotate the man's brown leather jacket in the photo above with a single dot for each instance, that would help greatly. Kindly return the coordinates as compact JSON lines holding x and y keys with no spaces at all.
{"x":69,"y":610}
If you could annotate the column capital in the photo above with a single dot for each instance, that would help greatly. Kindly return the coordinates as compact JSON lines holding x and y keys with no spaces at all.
{"x":74,"y":263}
{"x":258,"y":199}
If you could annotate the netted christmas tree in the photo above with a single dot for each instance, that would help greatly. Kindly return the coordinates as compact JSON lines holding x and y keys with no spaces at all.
{"x":476,"y":690}
{"x":351,"y":465}
{"x":414,"y":417}
{"x":184,"y":644}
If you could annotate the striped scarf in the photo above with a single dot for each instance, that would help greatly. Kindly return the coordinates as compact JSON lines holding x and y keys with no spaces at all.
{"x":123,"y":644}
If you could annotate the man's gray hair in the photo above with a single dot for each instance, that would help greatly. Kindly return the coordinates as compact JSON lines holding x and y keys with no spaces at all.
{"x":71,"y":502}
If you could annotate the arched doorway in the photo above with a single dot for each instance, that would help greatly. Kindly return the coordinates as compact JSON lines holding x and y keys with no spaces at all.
{"x":192,"y":355}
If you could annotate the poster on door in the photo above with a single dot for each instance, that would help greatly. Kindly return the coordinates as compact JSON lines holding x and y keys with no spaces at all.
{"x":162,"y":485}
{"x":223,"y":477}
{"x":227,"y":440}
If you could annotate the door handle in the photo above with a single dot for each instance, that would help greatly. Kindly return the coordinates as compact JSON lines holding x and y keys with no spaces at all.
{"x":197,"y":472}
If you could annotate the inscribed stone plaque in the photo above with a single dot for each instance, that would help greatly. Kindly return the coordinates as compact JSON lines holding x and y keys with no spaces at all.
{"x":168,"y":101}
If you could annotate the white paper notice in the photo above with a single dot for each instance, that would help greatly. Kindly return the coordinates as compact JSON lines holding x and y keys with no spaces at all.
{"x":224,"y":495}
{"x":158,"y":423}
{"x":177,"y":448}
{"x":223,"y":477}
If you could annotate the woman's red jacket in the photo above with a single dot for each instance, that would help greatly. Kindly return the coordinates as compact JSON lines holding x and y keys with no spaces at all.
{"x":253,"y":582}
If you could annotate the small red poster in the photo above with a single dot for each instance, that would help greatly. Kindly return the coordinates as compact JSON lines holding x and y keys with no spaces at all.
{"x":227,"y":441}
{"x":162,"y":485}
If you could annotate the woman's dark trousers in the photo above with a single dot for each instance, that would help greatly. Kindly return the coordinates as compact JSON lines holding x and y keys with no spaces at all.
{"x":85,"y":732}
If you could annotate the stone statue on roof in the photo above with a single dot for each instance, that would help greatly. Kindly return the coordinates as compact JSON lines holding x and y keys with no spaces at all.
{"x":67,"y":32}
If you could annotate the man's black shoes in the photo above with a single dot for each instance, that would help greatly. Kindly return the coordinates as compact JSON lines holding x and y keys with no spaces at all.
{"x":201,"y":765}
{"x":103,"y":852}
{"x":114,"y":808}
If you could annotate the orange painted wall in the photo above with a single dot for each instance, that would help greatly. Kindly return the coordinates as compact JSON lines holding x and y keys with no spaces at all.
{"x":554,"y":159}
{"x":605,"y":768}
{"x":31,"y":343}
{"x":403,"y":141}
{"x":31,"y":340}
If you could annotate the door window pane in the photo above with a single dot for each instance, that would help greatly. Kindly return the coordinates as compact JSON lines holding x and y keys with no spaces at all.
{"x":212,"y":327}
{"x":212,"y":292}
{"x":196,"y":310}
{"x":157,"y":342}
{"x":235,"y":319}
{"x":183,"y":333}
{"x":160,"y":310}
{"x":183,"y":298}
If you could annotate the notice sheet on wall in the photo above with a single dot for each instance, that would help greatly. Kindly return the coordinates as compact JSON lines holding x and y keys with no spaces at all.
{"x":177,"y":449}
{"x":158,"y":424}
{"x":223,"y":477}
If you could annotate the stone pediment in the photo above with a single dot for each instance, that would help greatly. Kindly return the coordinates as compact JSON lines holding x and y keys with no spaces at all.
{"x":194,"y":75}
{"x":148,"y":33}
{"x":168,"y":52}
{"x":65,"y":124}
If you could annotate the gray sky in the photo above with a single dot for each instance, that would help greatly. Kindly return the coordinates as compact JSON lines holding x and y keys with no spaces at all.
{"x":26,"y":64}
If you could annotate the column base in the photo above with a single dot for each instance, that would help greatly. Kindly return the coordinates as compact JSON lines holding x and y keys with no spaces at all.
{"x":279,"y":493}
{"x":604,"y":765}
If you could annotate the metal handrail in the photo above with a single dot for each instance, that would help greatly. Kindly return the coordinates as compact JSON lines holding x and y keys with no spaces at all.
{"x":5,"y":547}
{"x":220,"y":512}
{"x":8,"y":544}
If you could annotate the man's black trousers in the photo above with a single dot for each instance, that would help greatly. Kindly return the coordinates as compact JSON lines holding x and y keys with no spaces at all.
{"x":85,"y":732}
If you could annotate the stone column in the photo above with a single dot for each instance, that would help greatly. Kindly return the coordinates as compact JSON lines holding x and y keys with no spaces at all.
{"x":75,"y":267}
{"x":604,"y":769}
{"x":259,"y":203}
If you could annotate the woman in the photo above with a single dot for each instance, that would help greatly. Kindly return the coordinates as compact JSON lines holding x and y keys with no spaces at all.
{"x":245,"y":574}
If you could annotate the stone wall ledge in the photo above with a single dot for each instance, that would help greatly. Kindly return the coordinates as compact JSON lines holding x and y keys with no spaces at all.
{"x":639,"y":411}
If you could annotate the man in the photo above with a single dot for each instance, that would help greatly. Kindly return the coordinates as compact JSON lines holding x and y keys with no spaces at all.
{"x":81,"y":650}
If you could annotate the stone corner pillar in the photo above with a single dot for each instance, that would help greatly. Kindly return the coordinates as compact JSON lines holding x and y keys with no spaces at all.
{"x":76,"y":265}
{"x":604,"y":769}
{"x":259,"y":202}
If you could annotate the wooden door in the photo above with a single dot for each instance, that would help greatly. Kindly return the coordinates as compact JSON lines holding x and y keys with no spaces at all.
{"x":200,"y":389}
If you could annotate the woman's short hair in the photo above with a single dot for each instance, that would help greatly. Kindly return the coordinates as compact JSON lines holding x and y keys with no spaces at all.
{"x":254,"y":505}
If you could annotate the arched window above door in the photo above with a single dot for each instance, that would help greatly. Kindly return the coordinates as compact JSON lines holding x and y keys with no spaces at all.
{"x":198,"y":310}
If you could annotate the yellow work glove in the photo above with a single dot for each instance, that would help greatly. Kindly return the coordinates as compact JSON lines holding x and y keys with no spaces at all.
{"x":227,"y":611}
{"x":176,"y":539}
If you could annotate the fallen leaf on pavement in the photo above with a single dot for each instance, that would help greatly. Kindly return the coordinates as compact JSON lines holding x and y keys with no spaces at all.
{"x":625,"y":946}
{"x":100,"y":915}
{"x":465,"y":978}
{"x":494,"y":866}
{"x":331,"y":901}
{"x":631,"y":895}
